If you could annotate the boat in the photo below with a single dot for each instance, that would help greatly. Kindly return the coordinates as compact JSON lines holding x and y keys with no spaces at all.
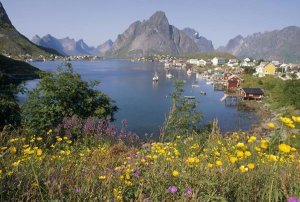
{"x":169,"y":75}
{"x":189,"y":71}
{"x":209,"y":82}
{"x":155,"y":78}
{"x":202,"y":92}
{"x":189,"y":97}
{"x":195,"y":86}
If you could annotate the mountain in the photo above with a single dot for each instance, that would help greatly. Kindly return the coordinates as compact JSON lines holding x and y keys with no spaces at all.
{"x":103,"y":48}
{"x":203,"y":44}
{"x":65,"y":46}
{"x":282,"y":45}
{"x":14,"y":43}
{"x":154,"y":35}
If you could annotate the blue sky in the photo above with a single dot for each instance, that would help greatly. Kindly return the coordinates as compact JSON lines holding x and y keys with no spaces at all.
{"x":96,"y":21}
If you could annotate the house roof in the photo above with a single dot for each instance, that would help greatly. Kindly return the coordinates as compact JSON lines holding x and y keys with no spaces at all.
{"x":253,"y":90}
{"x":232,"y":76}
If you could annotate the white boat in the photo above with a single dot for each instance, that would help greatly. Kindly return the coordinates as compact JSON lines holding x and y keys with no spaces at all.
{"x":189,"y":71}
{"x":155,"y":78}
{"x":202,"y":92}
{"x":209,"y":82}
{"x":195,"y":86}
{"x":169,"y":75}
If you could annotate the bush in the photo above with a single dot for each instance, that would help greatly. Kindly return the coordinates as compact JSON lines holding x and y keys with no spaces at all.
{"x":64,"y":94}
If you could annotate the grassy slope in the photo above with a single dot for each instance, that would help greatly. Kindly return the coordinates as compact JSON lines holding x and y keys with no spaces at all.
{"x":11,"y":41}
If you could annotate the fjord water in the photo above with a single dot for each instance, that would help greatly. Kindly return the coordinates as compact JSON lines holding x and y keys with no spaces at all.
{"x":145,"y":104}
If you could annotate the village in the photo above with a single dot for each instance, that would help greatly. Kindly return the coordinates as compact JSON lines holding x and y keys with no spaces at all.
{"x":227,"y":74}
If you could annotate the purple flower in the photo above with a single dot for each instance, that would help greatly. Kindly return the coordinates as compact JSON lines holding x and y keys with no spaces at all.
{"x":77,"y":190}
{"x":172,"y":189}
{"x":293,"y":199}
{"x":222,"y":170}
{"x":137,"y":173}
{"x":188,"y":192}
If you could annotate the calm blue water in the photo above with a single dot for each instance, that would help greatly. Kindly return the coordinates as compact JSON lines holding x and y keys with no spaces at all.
{"x":145,"y":104}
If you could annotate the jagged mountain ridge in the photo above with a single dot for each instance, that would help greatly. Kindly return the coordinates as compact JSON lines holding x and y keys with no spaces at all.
{"x":14,"y":43}
{"x":67,"y":46}
{"x":203,"y":44}
{"x":282,"y":45}
{"x":154,"y":35}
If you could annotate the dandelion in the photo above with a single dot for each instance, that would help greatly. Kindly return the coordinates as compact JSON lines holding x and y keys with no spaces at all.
{"x":243,"y":169}
{"x":271,"y":125}
{"x":250,"y":165}
{"x":284,"y":148}
{"x":175,"y":173}
{"x":233,"y":159}
{"x":264,"y":144}
{"x":16,"y":163}
{"x":251,"y":139}
{"x":13,"y":150}
{"x":209,"y":165}
{"x":296,"y":119}
{"x":39,"y":152}
{"x":172,"y":189}
{"x":219,"y":163}
{"x":39,"y":138}
{"x":247,"y":153}
{"x":102,"y":177}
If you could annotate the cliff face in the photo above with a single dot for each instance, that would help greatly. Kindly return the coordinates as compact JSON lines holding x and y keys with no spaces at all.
{"x":203,"y":44}
{"x":154,"y":35}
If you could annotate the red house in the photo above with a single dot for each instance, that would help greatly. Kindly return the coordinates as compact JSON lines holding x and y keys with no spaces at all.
{"x":226,"y":75}
{"x":252,"y":93}
{"x":233,"y":81}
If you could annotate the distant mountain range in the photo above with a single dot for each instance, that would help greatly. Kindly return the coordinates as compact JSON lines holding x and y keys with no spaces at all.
{"x":67,"y":46}
{"x":153,"y":36}
{"x":282,"y":45}
{"x":14,"y":43}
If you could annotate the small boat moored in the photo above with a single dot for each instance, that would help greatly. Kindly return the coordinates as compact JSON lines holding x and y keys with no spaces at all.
{"x":155,"y":77}
{"x":202,"y":92}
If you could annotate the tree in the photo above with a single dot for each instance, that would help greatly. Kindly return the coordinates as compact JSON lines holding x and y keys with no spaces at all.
{"x":291,"y":92}
{"x":63,"y":94}
{"x":183,"y":116}
{"x":9,"y":107}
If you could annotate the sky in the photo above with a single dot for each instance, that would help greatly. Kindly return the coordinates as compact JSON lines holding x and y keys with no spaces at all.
{"x":96,"y":21}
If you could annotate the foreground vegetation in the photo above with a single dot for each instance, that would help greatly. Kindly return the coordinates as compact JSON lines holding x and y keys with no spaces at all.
{"x":60,"y":145}
{"x":101,"y":165}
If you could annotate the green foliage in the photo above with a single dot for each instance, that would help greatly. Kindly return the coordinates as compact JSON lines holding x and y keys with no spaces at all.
{"x":183,"y":116}
{"x":249,"y":70}
{"x":291,"y":93}
{"x":64,"y":94}
{"x":9,"y":108}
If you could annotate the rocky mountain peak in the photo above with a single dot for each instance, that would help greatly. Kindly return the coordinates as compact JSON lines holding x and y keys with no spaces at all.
{"x":159,"y":18}
{"x":4,"y":19}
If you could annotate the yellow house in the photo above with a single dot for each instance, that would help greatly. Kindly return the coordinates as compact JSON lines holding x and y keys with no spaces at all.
{"x":269,"y":69}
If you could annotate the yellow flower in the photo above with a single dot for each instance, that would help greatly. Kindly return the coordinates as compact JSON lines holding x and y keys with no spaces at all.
{"x":35,"y":184}
{"x":102,"y":177}
{"x":13,"y":150}
{"x":250,"y":165}
{"x":39,"y":138}
{"x":16,"y":164}
{"x":264,"y":144}
{"x":296,"y":119}
{"x":219,"y":163}
{"x":293,"y":149}
{"x":49,"y":132}
{"x":233,"y":159}
{"x":0,"y":172}
{"x":284,"y":148}
{"x":217,"y":153}
{"x":257,"y":149}
{"x":243,"y":169}
{"x":209,"y":165}
{"x":251,"y":139}
{"x":271,"y":125}
{"x":3,"y":148}
{"x":247,"y":153}
{"x":240,"y":145}
{"x":239,"y":154}
{"x":39,"y":152}
{"x":178,"y":136}
{"x":175,"y":173}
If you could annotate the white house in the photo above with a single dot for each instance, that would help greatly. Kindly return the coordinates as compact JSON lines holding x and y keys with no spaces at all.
{"x":218,"y":61}
{"x":201,"y":62}
{"x":193,"y":61}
